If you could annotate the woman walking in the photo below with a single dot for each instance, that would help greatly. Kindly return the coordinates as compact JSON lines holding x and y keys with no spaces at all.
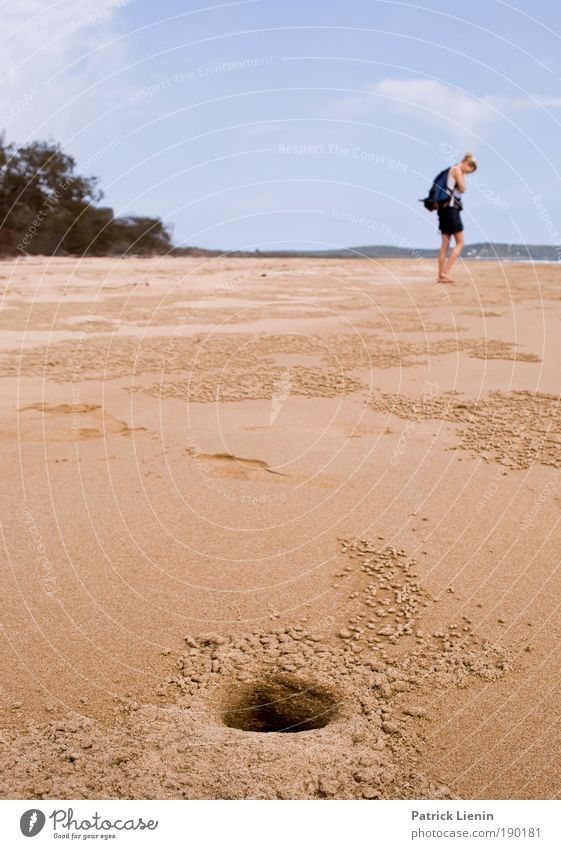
{"x":449,"y":220}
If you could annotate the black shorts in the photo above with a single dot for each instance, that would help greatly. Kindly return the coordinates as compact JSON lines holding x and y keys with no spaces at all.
{"x":449,"y":220}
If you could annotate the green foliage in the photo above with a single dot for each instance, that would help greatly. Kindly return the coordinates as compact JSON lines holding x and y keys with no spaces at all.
{"x":140,"y":235}
{"x":47,"y":208}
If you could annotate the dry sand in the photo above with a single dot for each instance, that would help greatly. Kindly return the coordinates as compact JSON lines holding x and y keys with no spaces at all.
{"x":243,"y":496}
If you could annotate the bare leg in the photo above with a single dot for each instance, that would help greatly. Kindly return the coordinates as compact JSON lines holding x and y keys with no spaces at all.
{"x":458,"y":248}
{"x":442,"y":255}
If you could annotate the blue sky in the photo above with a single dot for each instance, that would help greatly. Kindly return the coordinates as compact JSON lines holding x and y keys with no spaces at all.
{"x":297,"y":124}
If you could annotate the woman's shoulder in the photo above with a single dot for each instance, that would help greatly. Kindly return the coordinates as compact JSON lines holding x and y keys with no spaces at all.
{"x":455,"y":177}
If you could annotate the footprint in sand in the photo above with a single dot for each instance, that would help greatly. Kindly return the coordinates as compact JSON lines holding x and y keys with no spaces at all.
{"x":231,"y":466}
{"x":69,"y":422}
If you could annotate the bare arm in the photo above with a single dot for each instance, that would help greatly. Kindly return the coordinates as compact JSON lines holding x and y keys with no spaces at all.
{"x":459,"y":177}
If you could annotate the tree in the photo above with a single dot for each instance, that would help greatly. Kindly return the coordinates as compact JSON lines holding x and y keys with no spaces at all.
{"x":139,"y":235}
{"x":47,"y":208}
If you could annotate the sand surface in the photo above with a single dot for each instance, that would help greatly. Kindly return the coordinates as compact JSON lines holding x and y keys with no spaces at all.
{"x":246,"y":496}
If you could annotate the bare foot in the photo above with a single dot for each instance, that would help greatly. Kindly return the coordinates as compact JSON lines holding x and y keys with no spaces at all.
{"x":445,"y":279}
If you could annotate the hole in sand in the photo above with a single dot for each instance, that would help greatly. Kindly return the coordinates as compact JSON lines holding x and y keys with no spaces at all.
{"x":278,"y":706}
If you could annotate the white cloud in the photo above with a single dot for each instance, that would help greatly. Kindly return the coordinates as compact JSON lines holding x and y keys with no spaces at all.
{"x":439,"y":104}
{"x":48,"y":58}
{"x":506,"y":104}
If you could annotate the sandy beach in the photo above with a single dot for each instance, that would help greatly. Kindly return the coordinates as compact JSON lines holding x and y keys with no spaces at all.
{"x":311,"y":496}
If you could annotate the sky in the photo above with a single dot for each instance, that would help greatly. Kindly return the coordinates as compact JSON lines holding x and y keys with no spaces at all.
{"x":277,"y":124}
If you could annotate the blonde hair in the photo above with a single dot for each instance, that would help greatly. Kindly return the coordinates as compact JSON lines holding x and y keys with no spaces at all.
{"x":469,"y":158}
